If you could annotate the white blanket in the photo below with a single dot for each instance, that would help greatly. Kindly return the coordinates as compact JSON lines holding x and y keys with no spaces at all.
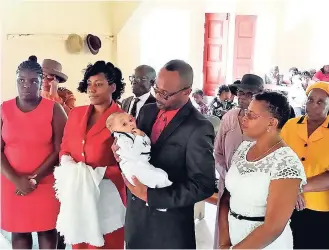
{"x":90,"y":206}
{"x":134,"y":152}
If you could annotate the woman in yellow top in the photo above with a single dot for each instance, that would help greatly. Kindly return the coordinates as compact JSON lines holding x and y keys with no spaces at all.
{"x":308,"y":136}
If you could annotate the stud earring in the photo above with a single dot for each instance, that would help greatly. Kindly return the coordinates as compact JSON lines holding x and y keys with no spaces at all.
{"x":268,"y":130}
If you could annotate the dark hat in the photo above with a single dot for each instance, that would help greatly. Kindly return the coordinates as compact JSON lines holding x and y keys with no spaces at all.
{"x":53,"y":67}
{"x":250,"y":81}
{"x":94,"y":43}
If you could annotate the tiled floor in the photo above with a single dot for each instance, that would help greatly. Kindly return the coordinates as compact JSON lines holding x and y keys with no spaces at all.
{"x":204,"y":231}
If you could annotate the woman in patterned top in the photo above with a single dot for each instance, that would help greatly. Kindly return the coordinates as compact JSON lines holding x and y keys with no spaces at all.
{"x":263,"y":182}
{"x":222,"y":102}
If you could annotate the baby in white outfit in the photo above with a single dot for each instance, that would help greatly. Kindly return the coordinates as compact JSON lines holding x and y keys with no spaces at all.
{"x":134,"y":152}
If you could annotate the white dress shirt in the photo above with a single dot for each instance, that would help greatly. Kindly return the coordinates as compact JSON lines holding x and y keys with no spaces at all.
{"x":140,"y":104}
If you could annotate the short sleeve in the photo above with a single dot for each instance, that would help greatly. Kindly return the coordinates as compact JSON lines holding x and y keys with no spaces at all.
{"x":288,"y":166}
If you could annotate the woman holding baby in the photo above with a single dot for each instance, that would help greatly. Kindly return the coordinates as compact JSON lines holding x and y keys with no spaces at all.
{"x":86,"y":138}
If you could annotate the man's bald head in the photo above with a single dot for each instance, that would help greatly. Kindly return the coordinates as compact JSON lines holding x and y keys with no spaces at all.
{"x":184,"y":70}
{"x":173,"y":85}
{"x":147,"y":71}
{"x":143,"y":80}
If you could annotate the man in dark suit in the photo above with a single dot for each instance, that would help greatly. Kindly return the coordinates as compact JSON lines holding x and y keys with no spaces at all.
{"x":141,"y":82}
{"x":182,"y":145}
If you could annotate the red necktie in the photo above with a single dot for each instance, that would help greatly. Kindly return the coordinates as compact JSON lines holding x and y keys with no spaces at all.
{"x":158,"y":127}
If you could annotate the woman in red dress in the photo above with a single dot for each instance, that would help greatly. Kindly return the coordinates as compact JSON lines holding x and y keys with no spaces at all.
{"x":32,"y":130}
{"x":86,"y":138}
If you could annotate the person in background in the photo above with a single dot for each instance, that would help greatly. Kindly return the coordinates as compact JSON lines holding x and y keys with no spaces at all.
{"x":322,"y":74}
{"x":198,"y":98}
{"x":86,"y":138}
{"x":182,"y":145}
{"x":221,"y":103}
{"x":32,"y":129}
{"x":52,"y":77}
{"x":312,"y":72}
{"x":234,"y":93}
{"x":297,"y":96}
{"x":306,"y":79}
{"x":142,"y":81}
{"x":308,"y":136}
{"x":273,"y":77}
{"x":263,"y":182}
{"x":287,"y":79}
{"x":230,"y":135}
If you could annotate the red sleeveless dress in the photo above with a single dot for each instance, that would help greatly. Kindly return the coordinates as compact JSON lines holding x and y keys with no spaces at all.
{"x":28,"y":143}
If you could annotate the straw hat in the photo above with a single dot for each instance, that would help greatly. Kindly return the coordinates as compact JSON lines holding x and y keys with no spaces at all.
{"x":74,"y":43}
{"x":53,"y":67}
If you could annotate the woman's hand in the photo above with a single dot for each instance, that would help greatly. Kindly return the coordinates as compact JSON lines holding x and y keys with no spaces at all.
{"x":300,"y":204}
{"x":115,"y":148}
{"x":23,"y":185}
{"x":54,"y":87}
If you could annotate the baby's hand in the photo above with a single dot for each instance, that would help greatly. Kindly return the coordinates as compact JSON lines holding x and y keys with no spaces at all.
{"x":137,"y":131}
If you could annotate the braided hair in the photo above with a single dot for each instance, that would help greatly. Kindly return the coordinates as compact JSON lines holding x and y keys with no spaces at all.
{"x":112,"y":75}
{"x":31,"y":64}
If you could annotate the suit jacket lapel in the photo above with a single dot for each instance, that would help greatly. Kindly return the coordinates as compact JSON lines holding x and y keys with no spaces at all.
{"x":126,"y":105}
{"x":146,"y":122}
{"x":178,"y":119}
{"x":151,"y":99}
{"x":84,"y":121}
{"x":100,"y":124}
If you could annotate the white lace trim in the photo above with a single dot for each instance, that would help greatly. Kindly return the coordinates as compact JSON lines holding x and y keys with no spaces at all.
{"x":282,"y":163}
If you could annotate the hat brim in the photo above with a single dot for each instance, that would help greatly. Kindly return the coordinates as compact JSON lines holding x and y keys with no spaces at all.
{"x":246,"y":86}
{"x":92,"y":50}
{"x":62,"y":77}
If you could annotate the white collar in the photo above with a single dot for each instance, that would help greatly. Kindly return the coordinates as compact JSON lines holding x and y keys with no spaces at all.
{"x":144,"y":97}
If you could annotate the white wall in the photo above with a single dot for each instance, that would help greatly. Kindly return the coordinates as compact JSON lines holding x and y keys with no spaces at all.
{"x":288,"y":33}
{"x":267,"y":16}
{"x":303,"y":39}
{"x":54,"y":19}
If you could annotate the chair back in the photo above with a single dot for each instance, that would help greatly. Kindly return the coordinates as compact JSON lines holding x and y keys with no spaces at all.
{"x":215,"y":121}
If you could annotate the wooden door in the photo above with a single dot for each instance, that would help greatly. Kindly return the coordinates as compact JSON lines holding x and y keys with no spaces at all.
{"x":214,"y":52}
{"x":244,"y":45}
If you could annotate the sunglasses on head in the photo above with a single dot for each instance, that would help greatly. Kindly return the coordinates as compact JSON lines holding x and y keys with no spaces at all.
{"x":50,"y":77}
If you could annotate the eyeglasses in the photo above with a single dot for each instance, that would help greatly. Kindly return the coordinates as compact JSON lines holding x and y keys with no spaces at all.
{"x":246,"y":94}
{"x":137,"y":79}
{"x":166,"y":96}
{"x":250,"y":115}
{"x":49,"y":77}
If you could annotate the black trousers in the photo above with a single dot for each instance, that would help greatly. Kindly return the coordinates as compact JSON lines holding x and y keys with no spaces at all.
{"x":310,"y":229}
